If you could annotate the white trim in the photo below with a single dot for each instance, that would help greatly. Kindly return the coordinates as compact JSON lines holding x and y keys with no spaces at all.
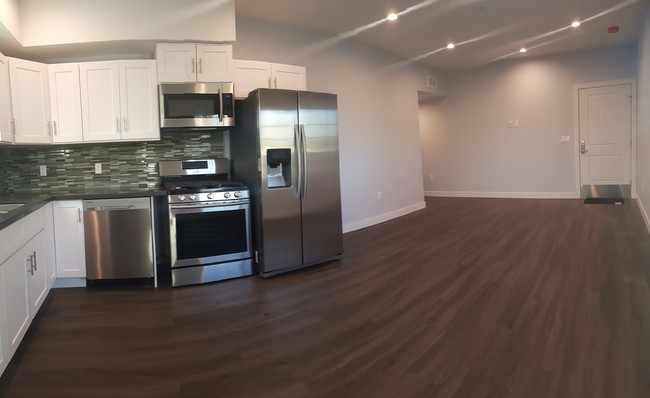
{"x":644,"y":214}
{"x":367,"y":222}
{"x":504,"y":195}
{"x":576,"y":127}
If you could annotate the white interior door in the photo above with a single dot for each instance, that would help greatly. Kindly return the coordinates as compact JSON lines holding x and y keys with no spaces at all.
{"x":605,"y":115}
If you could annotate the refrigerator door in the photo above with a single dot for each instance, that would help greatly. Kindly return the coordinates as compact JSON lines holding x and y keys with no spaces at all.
{"x":281,"y":232}
{"x":321,"y":203}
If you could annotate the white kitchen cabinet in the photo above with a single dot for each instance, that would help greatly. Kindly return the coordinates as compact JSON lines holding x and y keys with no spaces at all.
{"x":65,"y":102}
{"x":69,"y":239}
{"x":188,"y":62}
{"x":17,"y":301}
{"x":139,"y":100}
{"x":5,"y":355}
{"x":50,"y":251}
{"x":119,"y":100}
{"x":30,"y":101}
{"x":6,"y":119}
{"x":36,"y":257}
{"x":250,"y":75}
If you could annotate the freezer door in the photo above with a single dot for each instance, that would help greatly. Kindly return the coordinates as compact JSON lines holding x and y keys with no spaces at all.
{"x":281,"y":232}
{"x":321,"y":203}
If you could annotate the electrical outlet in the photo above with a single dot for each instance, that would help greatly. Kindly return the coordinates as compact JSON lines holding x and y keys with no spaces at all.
{"x":430,"y":177}
{"x":516,"y":124}
{"x":643,"y":185}
{"x":98,"y":168}
{"x":378,"y":195}
{"x":42,"y":170}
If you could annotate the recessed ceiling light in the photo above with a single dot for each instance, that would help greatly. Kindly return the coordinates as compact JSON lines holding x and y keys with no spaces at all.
{"x":523,"y":50}
{"x":575,"y":24}
{"x":391,"y":17}
{"x":450,"y":45}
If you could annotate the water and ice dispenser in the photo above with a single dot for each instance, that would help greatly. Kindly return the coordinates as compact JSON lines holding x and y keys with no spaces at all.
{"x":278,"y":174}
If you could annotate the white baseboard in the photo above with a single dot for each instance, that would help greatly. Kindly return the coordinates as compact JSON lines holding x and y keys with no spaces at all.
{"x":644,"y":214}
{"x":69,"y":282}
{"x":504,"y":195}
{"x":367,"y":222}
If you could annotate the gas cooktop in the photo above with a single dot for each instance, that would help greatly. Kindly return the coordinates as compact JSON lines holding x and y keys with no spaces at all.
{"x":203,"y":186}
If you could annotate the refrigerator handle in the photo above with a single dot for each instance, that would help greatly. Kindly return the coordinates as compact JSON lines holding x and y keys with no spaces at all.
{"x":298,"y":148}
{"x":303,"y":140}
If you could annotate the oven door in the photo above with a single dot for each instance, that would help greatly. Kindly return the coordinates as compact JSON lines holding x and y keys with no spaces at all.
{"x":209,"y":234}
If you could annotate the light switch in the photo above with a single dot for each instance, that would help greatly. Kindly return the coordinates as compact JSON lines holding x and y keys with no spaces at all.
{"x":42,"y":170}
{"x":565,"y":138}
{"x":98,"y":168}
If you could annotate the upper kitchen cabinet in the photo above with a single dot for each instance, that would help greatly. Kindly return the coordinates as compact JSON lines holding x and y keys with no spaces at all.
{"x":65,"y":102}
{"x":119,"y":100}
{"x":30,"y":101}
{"x":250,"y":75}
{"x":187,"y":62}
{"x":6,"y":122}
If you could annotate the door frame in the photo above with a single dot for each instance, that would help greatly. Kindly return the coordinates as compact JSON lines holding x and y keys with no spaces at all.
{"x":576,"y":128}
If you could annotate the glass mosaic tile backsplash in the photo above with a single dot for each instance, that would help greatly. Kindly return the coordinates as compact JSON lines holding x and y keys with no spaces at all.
{"x":124,"y":165}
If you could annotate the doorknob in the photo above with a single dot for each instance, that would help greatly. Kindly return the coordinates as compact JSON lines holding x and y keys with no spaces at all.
{"x":583,"y":146}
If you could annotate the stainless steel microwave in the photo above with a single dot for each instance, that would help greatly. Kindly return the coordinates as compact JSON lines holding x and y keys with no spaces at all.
{"x":196,"y":105}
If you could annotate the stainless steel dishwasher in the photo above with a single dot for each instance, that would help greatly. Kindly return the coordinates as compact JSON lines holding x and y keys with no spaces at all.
{"x":119,"y":239}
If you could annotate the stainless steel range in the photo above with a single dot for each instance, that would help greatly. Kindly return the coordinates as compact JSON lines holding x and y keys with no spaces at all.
{"x":209,"y":221}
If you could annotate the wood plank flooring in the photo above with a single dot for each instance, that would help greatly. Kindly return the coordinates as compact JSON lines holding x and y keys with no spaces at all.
{"x":467,"y":298}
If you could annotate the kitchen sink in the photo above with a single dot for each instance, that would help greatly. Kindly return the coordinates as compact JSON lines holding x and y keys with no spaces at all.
{"x":6,"y":208}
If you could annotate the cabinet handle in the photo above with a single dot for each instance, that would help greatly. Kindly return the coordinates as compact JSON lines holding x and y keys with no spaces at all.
{"x":49,"y":128}
{"x":79,"y":214}
{"x":193,"y":72}
{"x":200,"y":65}
{"x":31,"y":265}
{"x":117,"y":123}
{"x":270,"y":82}
{"x":126,"y":125}
{"x":55,"y":129}
{"x":35,"y":263}
{"x":275,"y":80}
{"x":13,"y":126}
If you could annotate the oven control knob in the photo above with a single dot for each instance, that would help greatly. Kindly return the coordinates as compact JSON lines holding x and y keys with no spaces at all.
{"x":181,"y":197}
{"x":210,"y":195}
{"x":237,"y":194}
{"x":192,"y":196}
{"x":226,"y":195}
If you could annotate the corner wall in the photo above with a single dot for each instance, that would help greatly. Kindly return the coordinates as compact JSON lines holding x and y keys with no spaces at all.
{"x":469,"y":146}
{"x":643,"y":122}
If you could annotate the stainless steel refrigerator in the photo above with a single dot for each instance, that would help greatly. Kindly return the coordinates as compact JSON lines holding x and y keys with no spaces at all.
{"x":285,"y":148}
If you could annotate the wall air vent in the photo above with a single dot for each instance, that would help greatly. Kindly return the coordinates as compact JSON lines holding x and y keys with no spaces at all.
{"x":432,"y":82}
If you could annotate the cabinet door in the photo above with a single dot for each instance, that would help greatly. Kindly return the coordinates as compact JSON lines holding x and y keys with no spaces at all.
{"x":176,"y":62}
{"x":5,"y":355}
{"x":16,"y":294}
{"x":36,"y":256}
{"x":69,"y":239}
{"x":6,"y":122}
{"x":50,"y":252}
{"x":289,"y":77}
{"x":100,"y":101}
{"x":30,"y":101}
{"x":214,"y":63}
{"x":65,"y":102}
{"x":250,"y":75}
{"x":139,"y":100}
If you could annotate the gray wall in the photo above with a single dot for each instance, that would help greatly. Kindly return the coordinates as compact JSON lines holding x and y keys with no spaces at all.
{"x":468,"y":146}
{"x":643,"y":121}
{"x":124,"y":165}
{"x":378,"y":116}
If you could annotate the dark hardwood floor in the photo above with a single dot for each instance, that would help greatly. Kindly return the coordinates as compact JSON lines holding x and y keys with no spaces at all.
{"x":468,"y":298}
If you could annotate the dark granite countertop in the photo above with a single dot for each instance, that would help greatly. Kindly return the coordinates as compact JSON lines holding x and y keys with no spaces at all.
{"x":33,"y":201}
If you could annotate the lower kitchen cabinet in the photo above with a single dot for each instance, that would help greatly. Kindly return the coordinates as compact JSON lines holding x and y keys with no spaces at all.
{"x":24,"y":278}
{"x":17,"y":298}
{"x":69,"y":239}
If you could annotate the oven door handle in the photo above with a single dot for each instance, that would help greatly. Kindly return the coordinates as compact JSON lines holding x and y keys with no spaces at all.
{"x":230,"y":206}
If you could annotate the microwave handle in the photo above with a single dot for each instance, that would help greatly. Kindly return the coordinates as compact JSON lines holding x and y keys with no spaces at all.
{"x":220,"y":105}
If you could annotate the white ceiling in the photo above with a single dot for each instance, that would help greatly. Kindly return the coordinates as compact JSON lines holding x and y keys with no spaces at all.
{"x":492,"y":29}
